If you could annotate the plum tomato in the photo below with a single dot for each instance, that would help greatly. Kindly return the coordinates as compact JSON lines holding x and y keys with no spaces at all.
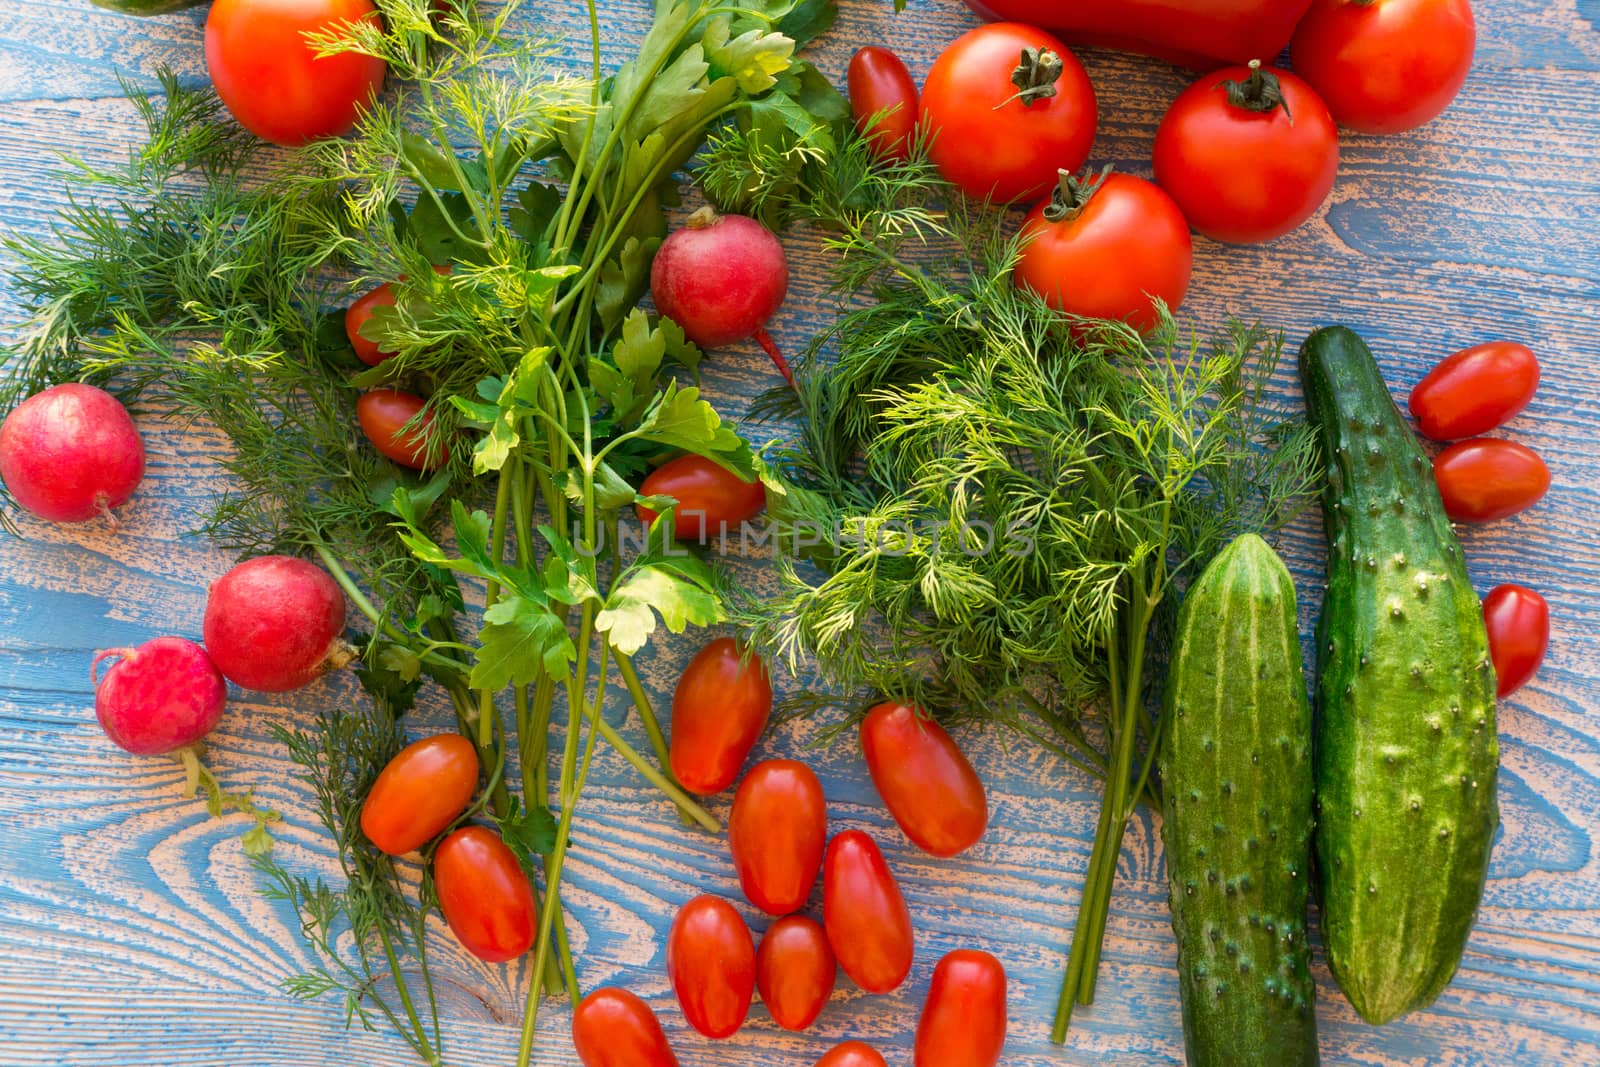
{"x":883,"y":99}
{"x":852,"y":1054}
{"x":1007,"y":106}
{"x":1487,"y":478}
{"x":924,"y":778}
{"x":777,"y":832}
{"x":712,"y":500}
{"x":963,"y":1021}
{"x":424,"y":789}
{"x":866,"y":918}
{"x":1475,"y":390}
{"x":613,"y":1028}
{"x":1518,"y":621}
{"x":795,"y":971}
{"x":360,"y":311}
{"x":384,"y":414}
{"x":485,"y":894}
{"x":719,"y":711}
{"x":711,"y":963}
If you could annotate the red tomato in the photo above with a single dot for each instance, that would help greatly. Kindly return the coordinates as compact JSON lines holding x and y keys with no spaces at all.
{"x":881,"y":88}
{"x":383,"y":414}
{"x":924,"y":778}
{"x":852,"y":1054}
{"x":866,"y":918}
{"x":1384,"y":66}
{"x":777,"y":831}
{"x":1105,"y":249}
{"x":994,"y":140}
{"x":1271,"y":121}
{"x":1475,"y":390}
{"x":795,"y":970}
{"x":1518,"y":620}
{"x":1486,"y":479}
{"x":963,"y":1022}
{"x":485,"y":895}
{"x":614,"y":1028}
{"x":711,"y":962}
{"x":422,"y":790}
{"x":719,"y":710}
{"x":711,"y":498}
{"x":357,"y":314}
{"x":271,"y":79}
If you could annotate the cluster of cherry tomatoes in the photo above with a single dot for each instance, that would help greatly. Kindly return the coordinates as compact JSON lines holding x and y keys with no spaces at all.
{"x":1245,"y":154}
{"x":1482,"y":479}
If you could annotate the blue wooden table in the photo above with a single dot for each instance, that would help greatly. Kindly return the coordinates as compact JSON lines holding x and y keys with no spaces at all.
{"x":132,"y":930}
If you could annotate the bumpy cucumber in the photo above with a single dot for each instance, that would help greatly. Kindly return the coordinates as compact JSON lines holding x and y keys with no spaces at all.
{"x":1406,"y":745}
{"x":1236,"y":769}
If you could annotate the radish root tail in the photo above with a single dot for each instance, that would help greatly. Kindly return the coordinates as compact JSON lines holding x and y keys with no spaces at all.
{"x":770,"y":347}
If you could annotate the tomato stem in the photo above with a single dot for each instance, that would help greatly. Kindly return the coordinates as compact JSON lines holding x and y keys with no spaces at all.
{"x":1035,"y":77}
{"x":1260,"y":92}
{"x":1072,"y":194}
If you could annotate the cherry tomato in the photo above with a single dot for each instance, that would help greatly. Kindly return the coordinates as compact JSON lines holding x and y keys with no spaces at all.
{"x":613,"y":1028}
{"x":1001,"y":139}
{"x":383,"y":415}
{"x":424,"y":788}
{"x":711,"y":498}
{"x":711,"y":963}
{"x":1104,"y":249}
{"x":1384,"y":66}
{"x":357,"y":314}
{"x":881,"y":88}
{"x":1518,"y":620}
{"x":1475,"y":390}
{"x":719,"y":710}
{"x":271,"y":79}
{"x":852,"y":1054}
{"x":866,"y":918}
{"x":777,"y":832}
{"x":1486,"y":479}
{"x":1249,"y":153}
{"x":963,"y":1022}
{"x":485,"y":895}
{"x":795,"y":970}
{"x":924,"y":778}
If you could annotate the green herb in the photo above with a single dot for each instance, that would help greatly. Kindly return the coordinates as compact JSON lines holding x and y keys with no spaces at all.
{"x":197,"y":273}
{"x":1008,"y":502}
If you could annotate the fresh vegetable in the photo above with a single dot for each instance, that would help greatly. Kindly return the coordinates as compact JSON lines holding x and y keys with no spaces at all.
{"x":722,"y":278}
{"x":158,"y":697}
{"x":275,"y":623}
{"x":924,"y":778}
{"x":866,"y":918}
{"x":613,"y":1028}
{"x":1406,"y":751}
{"x":963,"y":1021}
{"x":1107,"y":248}
{"x":1248,"y":153}
{"x":852,"y":1054}
{"x":883,"y":98}
{"x":795,"y":971}
{"x":1518,"y":622}
{"x":1384,"y":66}
{"x":719,"y":711}
{"x":1487,"y":478}
{"x":777,"y":833}
{"x":1475,"y":390}
{"x":485,"y":895}
{"x":386,"y":414}
{"x":146,"y":7}
{"x":422,"y":791}
{"x":712,"y":500}
{"x":1200,"y":35}
{"x":262,"y":58}
{"x":70,"y":453}
{"x":1237,"y":779}
{"x":358,"y":314}
{"x":1007,"y":106}
{"x":711,"y":962}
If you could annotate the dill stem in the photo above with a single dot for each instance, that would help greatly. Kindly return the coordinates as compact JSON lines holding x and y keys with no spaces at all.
{"x":420,"y":1041}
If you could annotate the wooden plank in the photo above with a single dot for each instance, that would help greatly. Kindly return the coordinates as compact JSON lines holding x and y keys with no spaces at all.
{"x":132,"y":924}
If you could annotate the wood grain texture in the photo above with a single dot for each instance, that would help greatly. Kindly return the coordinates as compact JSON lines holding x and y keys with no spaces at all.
{"x":132,"y":928}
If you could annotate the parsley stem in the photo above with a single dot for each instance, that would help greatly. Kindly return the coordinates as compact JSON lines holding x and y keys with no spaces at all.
{"x":652,"y":727}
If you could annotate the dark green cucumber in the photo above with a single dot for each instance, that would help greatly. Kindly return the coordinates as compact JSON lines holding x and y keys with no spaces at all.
{"x":1236,"y":771}
{"x":1406,"y":745}
{"x":146,"y":7}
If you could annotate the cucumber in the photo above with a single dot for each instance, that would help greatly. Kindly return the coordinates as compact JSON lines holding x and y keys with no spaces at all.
{"x":146,"y":7}
{"x":1406,"y":745}
{"x":1236,"y":772}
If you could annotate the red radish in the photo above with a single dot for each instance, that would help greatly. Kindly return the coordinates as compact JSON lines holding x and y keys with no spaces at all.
{"x":721,"y":278}
{"x":275,"y":623}
{"x":158,"y":697}
{"x":71,"y":453}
